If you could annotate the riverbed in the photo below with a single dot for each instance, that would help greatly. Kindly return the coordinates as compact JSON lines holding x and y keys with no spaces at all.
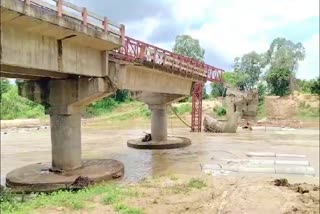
{"x":20,"y":147}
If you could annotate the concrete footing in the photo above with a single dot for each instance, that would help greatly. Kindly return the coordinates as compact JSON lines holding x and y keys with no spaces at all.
{"x":170,"y":143}
{"x":39,"y":178}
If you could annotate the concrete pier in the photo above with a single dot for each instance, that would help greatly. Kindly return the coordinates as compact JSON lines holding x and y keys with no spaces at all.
{"x":64,"y":100}
{"x":158,"y":103}
{"x":66,"y":141}
{"x":158,"y":122}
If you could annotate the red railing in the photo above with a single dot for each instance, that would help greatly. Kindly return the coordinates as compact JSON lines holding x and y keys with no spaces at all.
{"x":137,"y":51}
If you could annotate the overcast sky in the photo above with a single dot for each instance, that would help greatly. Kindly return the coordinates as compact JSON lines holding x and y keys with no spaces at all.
{"x":226,"y":28}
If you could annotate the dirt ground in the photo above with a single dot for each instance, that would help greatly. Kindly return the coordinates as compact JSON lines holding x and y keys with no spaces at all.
{"x":171,"y":194}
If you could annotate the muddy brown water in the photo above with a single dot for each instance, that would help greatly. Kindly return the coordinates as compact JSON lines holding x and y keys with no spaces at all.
{"x":108,"y":140}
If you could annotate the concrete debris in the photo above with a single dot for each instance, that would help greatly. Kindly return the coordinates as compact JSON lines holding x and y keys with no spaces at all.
{"x":281,"y":182}
{"x":81,"y":182}
{"x":273,"y":169}
{"x":147,"y":138}
{"x":230,"y":126}
{"x":273,"y":154}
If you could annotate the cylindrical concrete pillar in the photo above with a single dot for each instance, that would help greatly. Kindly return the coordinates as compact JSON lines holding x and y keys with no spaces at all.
{"x":158,"y":122}
{"x":66,"y":141}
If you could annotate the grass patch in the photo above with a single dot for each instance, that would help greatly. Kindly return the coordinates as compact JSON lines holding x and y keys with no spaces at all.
{"x":183,"y":108}
{"x":307,"y":112}
{"x":125,"y":209}
{"x":127,"y":111}
{"x":111,"y":193}
{"x":14,"y":106}
{"x":261,"y":110}
{"x":180,"y":188}
{"x":173,"y":178}
{"x":196,"y":183}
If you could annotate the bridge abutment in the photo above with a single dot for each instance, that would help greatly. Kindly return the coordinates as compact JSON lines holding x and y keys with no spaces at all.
{"x":158,"y":103}
{"x":64,"y":101}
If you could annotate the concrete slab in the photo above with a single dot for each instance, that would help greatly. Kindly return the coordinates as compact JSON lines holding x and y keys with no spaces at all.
{"x":38,"y":178}
{"x":170,"y":143}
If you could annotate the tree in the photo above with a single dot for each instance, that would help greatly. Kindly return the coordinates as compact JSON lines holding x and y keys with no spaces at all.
{"x":282,"y":59}
{"x":4,"y":87}
{"x":309,"y":86}
{"x":249,"y":68}
{"x":315,"y":86}
{"x":189,"y":47}
{"x":278,"y":80}
{"x":217,"y":89}
{"x":235,"y":79}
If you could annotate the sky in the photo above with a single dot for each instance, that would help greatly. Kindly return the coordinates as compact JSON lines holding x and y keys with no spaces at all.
{"x":225,"y":28}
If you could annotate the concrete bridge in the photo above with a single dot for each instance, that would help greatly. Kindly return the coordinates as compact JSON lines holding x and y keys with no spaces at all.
{"x":70,"y":57}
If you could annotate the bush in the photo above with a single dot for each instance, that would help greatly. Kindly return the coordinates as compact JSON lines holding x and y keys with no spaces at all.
{"x":14,"y":106}
{"x":217,"y":90}
{"x":278,"y":81}
{"x":220,"y":111}
{"x":102,"y":106}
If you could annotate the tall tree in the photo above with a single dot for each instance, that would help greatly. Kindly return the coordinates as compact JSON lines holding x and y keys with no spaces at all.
{"x":249,"y":68}
{"x":282,"y":59}
{"x":188,"y":46}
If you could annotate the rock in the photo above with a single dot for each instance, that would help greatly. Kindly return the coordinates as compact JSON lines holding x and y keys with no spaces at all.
{"x":281,"y":182}
{"x":81,"y":182}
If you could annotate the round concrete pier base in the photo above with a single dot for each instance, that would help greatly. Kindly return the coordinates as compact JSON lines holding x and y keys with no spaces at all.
{"x":170,"y":143}
{"x":39,"y":178}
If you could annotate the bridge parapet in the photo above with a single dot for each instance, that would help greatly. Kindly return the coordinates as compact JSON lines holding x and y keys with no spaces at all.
{"x":69,"y":11}
{"x":151,"y":56}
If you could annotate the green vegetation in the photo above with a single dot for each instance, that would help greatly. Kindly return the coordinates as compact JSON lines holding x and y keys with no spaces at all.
{"x":183,"y":108}
{"x":125,"y":209}
{"x":282,"y":60}
{"x":111,"y":194}
{"x":309,"y":86}
{"x":220,"y":110}
{"x":217,"y":89}
{"x":248,"y":69}
{"x":306,"y":112}
{"x":196,"y":183}
{"x":189,"y":47}
{"x":14,"y":106}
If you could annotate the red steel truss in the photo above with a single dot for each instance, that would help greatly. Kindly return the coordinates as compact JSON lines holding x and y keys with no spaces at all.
{"x":138,"y":51}
{"x":196,"y":117}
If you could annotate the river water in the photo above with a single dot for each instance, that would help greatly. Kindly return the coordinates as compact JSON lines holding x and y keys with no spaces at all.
{"x":108,"y":140}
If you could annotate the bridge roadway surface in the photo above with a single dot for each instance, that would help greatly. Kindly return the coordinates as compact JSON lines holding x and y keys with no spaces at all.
{"x":72,"y":57}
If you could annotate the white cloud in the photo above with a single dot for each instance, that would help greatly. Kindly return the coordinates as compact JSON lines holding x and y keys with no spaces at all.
{"x":235,"y":27}
{"x":309,"y":68}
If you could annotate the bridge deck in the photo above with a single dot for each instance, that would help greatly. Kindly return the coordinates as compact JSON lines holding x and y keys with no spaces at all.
{"x":79,"y":25}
